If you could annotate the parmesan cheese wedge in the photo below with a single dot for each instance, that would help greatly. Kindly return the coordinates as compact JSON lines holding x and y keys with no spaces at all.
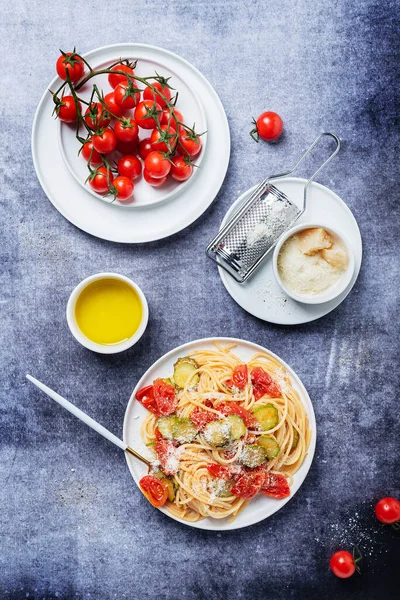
{"x":313,"y":240}
{"x":335,"y":256}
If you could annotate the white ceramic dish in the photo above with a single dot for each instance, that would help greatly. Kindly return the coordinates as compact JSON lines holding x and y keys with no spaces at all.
{"x":260,"y":507}
{"x":261,"y":296}
{"x":329,"y":294}
{"x":148,"y":223}
{"x":144,"y":194}
{"x":101,"y":348}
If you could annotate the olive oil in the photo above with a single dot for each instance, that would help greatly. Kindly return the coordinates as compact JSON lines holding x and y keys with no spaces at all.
{"x":108,"y":311}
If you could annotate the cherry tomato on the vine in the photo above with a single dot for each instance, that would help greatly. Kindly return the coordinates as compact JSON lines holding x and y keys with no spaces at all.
{"x":145,"y":148}
{"x":168,"y":118}
{"x":130,"y":166}
{"x":387,"y":510}
{"x":96,"y":116}
{"x":268,"y":126}
{"x":114,"y":108}
{"x":105,"y":141}
{"x":127,"y":147}
{"x":125,"y":96}
{"x":123,"y":187}
{"x":180,"y":168}
{"x":189,"y":142}
{"x":126,"y":130}
{"x":149,"y":94}
{"x":155,"y":182}
{"x":72,"y":63}
{"x":156,"y":165}
{"x":89,"y":153}
{"x":145,"y":113}
{"x":160,"y":138}
{"x":66,"y":111}
{"x":101,"y":180}
{"x":342,"y":564}
{"x":114,"y":78}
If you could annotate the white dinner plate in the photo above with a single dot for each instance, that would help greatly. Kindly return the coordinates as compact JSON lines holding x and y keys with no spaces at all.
{"x":147,"y":223}
{"x":261,"y":295}
{"x":260,"y":507}
{"x":188,"y":103}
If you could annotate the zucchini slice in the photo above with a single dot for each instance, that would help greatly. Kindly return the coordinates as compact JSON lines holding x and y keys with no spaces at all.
{"x":267,"y":415}
{"x":270,"y":445}
{"x":238,"y":428}
{"x":253,"y":455}
{"x":296,"y":438}
{"x":218,"y":433}
{"x":165,"y":425}
{"x":222,"y":488}
{"x":183,"y":430}
{"x":183,"y":371}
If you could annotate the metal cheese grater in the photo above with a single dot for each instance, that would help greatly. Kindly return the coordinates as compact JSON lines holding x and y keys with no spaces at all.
{"x":253,"y":231}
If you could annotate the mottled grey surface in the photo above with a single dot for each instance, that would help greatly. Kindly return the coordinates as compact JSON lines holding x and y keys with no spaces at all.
{"x":73,"y":523}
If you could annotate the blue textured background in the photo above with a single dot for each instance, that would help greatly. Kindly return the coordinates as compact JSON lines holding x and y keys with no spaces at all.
{"x":73,"y":523}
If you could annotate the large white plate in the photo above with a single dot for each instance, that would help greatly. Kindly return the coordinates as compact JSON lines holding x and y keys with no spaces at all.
{"x":148,"y":223}
{"x":260,"y":507}
{"x":261,"y":295}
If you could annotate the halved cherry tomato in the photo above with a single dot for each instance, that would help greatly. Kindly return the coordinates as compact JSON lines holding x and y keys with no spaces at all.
{"x":157,"y":433}
{"x":149,"y":94}
{"x":126,"y":130}
{"x":233,"y":408}
{"x":156,"y":165}
{"x":105,"y":141}
{"x":96,"y":116}
{"x":154,"y":489}
{"x":180,"y":168}
{"x":248,"y":485}
{"x":387,"y":510}
{"x":165,"y":397}
{"x":166,"y":454}
{"x":126,"y":96}
{"x":225,"y":472}
{"x":145,"y":113}
{"x":275,"y":485}
{"x":160,"y":139}
{"x":66,"y":111}
{"x":72,"y":63}
{"x":153,"y":181}
{"x":123,"y":188}
{"x":114,"y":109}
{"x":239,"y":377}
{"x":145,"y":148}
{"x":89,"y":153}
{"x":189,"y":143}
{"x":100,"y":180}
{"x":114,"y":78}
{"x":200,"y":418}
{"x":263,"y":384}
{"x":342,"y":564}
{"x":130,"y":166}
{"x":146,"y":398}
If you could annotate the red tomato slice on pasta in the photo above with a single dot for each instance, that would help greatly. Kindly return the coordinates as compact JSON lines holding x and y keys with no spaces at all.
{"x":248,"y":485}
{"x":239,"y":376}
{"x":275,"y":486}
{"x":155,"y":490}
{"x":165,"y":397}
{"x":263,"y":384}
{"x":225,"y":472}
{"x":200,"y":418}
{"x":232,"y":408}
{"x":146,"y":397}
{"x":166,"y":454}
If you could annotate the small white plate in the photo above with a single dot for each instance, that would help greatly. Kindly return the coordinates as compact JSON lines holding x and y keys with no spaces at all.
{"x":188,"y":104}
{"x":260,"y":507}
{"x":261,"y":295}
{"x":147,"y":223}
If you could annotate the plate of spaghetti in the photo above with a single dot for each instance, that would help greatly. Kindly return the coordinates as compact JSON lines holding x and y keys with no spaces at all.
{"x":229,"y":429}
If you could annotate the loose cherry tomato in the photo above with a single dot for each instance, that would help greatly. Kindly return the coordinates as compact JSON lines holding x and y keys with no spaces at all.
{"x":275,"y":485}
{"x":66,"y":111}
{"x":114,"y":108}
{"x":160,"y":138}
{"x":145,"y":113}
{"x":166,"y":454}
{"x":127,"y":147}
{"x":101,"y":180}
{"x":165,"y":118}
{"x":154,"y":182}
{"x":146,"y":398}
{"x":96,"y":116}
{"x":180,"y":168}
{"x":114,"y":78}
{"x":126,"y":96}
{"x":145,"y":148}
{"x":154,"y":489}
{"x":105,"y":142}
{"x":130,"y":166}
{"x":165,"y":396}
{"x":342,"y":564}
{"x":149,"y":94}
{"x":233,"y":408}
{"x":90,"y":154}
{"x":263,"y":384}
{"x":225,"y":472}
{"x":387,"y":510}
{"x":156,"y":165}
{"x":248,"y":485}
{"x":268,"y":126}
{"x":123,"y":187}
{"x":126,"y":130}
{"x":189,"y":142}
{"x":71,"y":62}
{"x":200,"y":418}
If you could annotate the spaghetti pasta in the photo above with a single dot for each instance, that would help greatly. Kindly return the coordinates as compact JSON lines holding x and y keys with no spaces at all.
{"x":210,"y":469}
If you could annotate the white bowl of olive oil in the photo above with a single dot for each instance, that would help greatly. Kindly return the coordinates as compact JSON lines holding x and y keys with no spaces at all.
{"x":107,"y":313}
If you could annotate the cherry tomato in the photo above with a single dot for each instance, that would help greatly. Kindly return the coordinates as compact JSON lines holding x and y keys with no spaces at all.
{"x":240,"y":376}
{"x":145,"y":148}
{"x":225,"y":472}
{"x":156,"y":165}
{"x":101,"y":180}
{"x":153,"y":181}
{"x":387,"y":510}
{"x":66,"y":111}
{"x":146,"y":398}
{"x":200,"y":418}
{"x":126,"y":130}
{"x":114,"y":108}
{"x":342,"y":564}
{"x":268,"y":126}
{"x":232,"y":408}
{"x":263,"y":384}
{"x":143,"y":109}
{"x":123,"y":186}
{"x":165,"y":397}
{"x":89,"y":153}
{"x":160,"y":139}
{"x":125,"y":96}
{"x":114,"y":78}
{"x":72,"y":63}
{"x":157,"y":433}
{"x":166,"y":454}
{"x":165,"y":118}
{"x":155,"y":490}
{"x":149,"y":94}
{"x":275,"y":485}
{"x":105,"y":142}
{"x":189,"y":142}
{"x":248,"y":485}
{"x":180,"y":168}
{"x":130,"y":166}
{"x":127,"y":147}
{"x":96,"y":116}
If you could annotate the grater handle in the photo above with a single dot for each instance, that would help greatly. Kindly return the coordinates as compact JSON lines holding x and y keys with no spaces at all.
{"x":315,"y":142}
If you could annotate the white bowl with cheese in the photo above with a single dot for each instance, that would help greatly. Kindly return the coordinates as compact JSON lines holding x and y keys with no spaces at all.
{"x":313,"y":263}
